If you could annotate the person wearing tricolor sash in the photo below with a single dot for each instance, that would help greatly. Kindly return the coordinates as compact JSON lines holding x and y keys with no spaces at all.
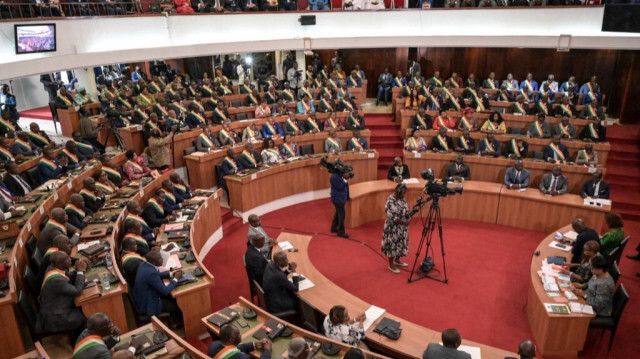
{"x":399,"y":80}
{"x":293,"y":126}
{"x":565,"y":129}
{"x":49,"y":167}
{"x":490,"y":83}
{"x":442,"y":142}
{"x":93,"y":198}
{"x":81,"y":97}
{"x":263,"y":110}
{"x":100,"y":337}
{"x":141,"y":114}
{"x":173,"y":201}
{"x":85,"y":148}
{"x":245,"y":87}
{"x":357,"y":143}
{"x":230,"y":346}
{"x":104,"y":185}
{"x":421,"y":120}
{"x":554,"y":183}
{"x":434,"y":99}
{"x":251,"y":133}
{"x":443,"y":121}
{"x":230,"y":165}
{"x":250,"y":158}
{"x":539,"y":128}
{"x":542,"y":107}
{"x":591,"y":111}
{"x":174,"y":121}
{"x":545,"y":91}
{"x":530,"y":83}
{"x":212,"y":102}
{"x":489,"y":146}
{"x":556,"y":152}
{"x":436,"y":80}
{"x":134,"y":212}
{"x":288,"y":94}
{"x":565,"y":108}
{"x":60,"y":287}
{"x":510,"y":83}
{"x":14,"y":182}
{"x":173,"y":93}
{"x":587,"y":156}
{"x":289,"y":148}
{"x":591,"y":91}
{"x":504,"y":95}
{"x":74,"y":158}
{"x":415,"y":142}
{"x":465,"y":144}
{"x":60,"y":243}
{"x":154,"y":213}
{"x":39,"y":138}
{"x":520,"y":107}
{"x":517,"y":177}
{"x":114,"y":173}
{"x":220,"y":114}
{"x":305,"y":106}
{"x":180,"y":187}
{"x":407,"y":89}
{"x":326,"y":104}
{"x":272,"y":129}
{"x":133,"y":169}
{"x":7,"y":125}
{"x":516,"y":148}
{"x":5,"y":153}
{"x":77,"y":214}
{"x":63,"y":100}
{"x":160,"y":108}
{"x":206,"y":141}
{"x":196,"y":118}
{"x":494,"y":124}
{"x":333,"y":142}
{"x":594,"y":132}
{"x":336,"y":124}
{"x":451,"y":102}
{"x":253,"y":98}
{"x":227,"y":136}
{"x":55,"y":226}
{"x":270,"y":154}
{"x":145,"y":99}
{"x":467,"y":122}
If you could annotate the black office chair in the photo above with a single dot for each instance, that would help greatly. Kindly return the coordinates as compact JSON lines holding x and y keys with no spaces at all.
{"x":252,"y":289}
{"x":235,"y":103}
{"x":30,"y":311}
{"x":36,"y":261}
{"x":620,"y":299}
{"x":537,"y":155}
{"x":613,"y":255}
{"x":241,"y":116}
{"x":515,"y":130}
{"x":31,"y":244}
{"x":33,"y":177}
{"x":306,"y":150}
{"x":43,"y":223}
{"x":189,"y":150}
{"x":310,"y":319}
{"x":263,"y":302}
{"x":143,"y":319}
{"x":614,"y":272}
{"x":31,"y":282}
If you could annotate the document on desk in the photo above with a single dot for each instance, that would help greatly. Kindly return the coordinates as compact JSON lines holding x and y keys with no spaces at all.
{"x":473,"y":351}
{"x":373,"y":313}
{"x":571,"y":235}
{"x":580,"y":308}
{"x":410,"y":181}
{"x":560,"y":246}
{"x":173,"y":226}
{"x":171,"y":262}
{"x":175,"y":248}
{"x":85,"y":245}
{"x":285,"y":245}
{"x":305,"y":284}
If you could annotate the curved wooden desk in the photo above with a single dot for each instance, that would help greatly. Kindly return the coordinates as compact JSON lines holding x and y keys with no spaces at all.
{"x":492,"y":169}
{"x":251,"y":190}
{"x":325,"y":294}
{"x":279,"y":344}
{"x":482,"y":202}
{"x":556,"y":335}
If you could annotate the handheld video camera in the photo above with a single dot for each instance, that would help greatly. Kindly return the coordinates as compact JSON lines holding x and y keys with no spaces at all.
{"x":337,"y":167}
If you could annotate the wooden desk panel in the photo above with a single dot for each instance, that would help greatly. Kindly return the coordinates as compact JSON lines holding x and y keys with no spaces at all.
{"x":479,"y":201}
{"x":295,"y":177}
{"x":133,"y":138}
{"x":38,"y":353}
{"x":69,"y":118}
{"x":556,"y":335}
{"x":489,"y":169}
{"x":535,"y":211}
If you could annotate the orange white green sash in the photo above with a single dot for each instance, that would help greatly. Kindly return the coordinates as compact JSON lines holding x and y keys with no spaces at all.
{"x":155,"y":87}
{"x":252,"y":99}
{"x":465,"y":122}
{"x":6,"y":154}
{"x":225,"y":89}
{"x":355,"y":121}
{"x":503,"y":96}
{"x":52,"y":222}
{"x":7,"y":124}
{"x":142,"y":114}
{"x":332,"y":123}
{"x":591,"y":95}
{"x":463,"y":143}
{"x":86,"y":343}
{"x":90,"y":194}
{"x":593,"y":132}
{"x":206,"y":139}
{"x":557,"y":151}
{"x":305,"y":106}
{"x":421,"y":120}
{"x":288,"y":94}
{"x":226,"y":135}
{"x":171,"y":92}
{"x":271,"y":96}
{"x":307,"y":74}
{"x":47,"y":162}
{"x":274,"y":152}
{"x":565,"y":130}
{"x":144,"y":99}
{"x":162,"y":110}
{"x":488,"y":146}
{"x":289,"y":148}
{"x":79,"y":144}
{"x":544,"y":109}
{"x":590,"y":87}
{"x":179,"y":107}
{"x":136,"y":218}
{"x":416,"y":81}
{"x":135,"y":166}
{"x":65,"y":100}
{"x":124,"y":102}
{"x":355,"y":143}
{"x":443,"y":142}
{"x":212,"y":102}
{"x":397,"y":82}
{"x":514,"y":147}
{"x":412,"y":144}
{"x":231,"y":163}
{"x":333,"y":84}
{"x":437,"y":81}
{"x":198,"y":117}
{"x":585,"y":154}
{"x":492,"y":127}
{"x":538,"y":127}
{"x":326,"y":104}
{"x":352,"y":82}
{"x":529,"y":85}
{"x":434,"y":102}
{"x":79,"y":211}
{"x":592,"y":112}
{"x":454,"y":82}
{"x":248,"y":132}
{"x":25,"y":145}
{"x":525,"y":95}
{"x":129,"y":256}
{"x":157,"y":206}
{"x":292,"y":125}
{"x":169,"y":196}
{"x":313,"y":123}
{"x":105,"y":188}
{"x":112,"y":171}
{"x":492,"y":85}
{"x":346,"y":104}
{"x":249,"y":158}
{"x":441,"y":122}
{"x":271,"y":128}
{"x":480,"y":107}
{"x":153,"y":126}
{"x":452,"y":98}
{"x":109,"y":93}
{"x":181,"y":188}
{"x":245,"y":88}
{"x":566,"y":110}
{"x":333,"y":143}
{"x":306,"y":92}
{"x":221,"y":114}
{"x":406,"y":90}
{"x":519,"y":107}
{"x":38,"y":138}
{"x":322,"y":74}
{"x":54,"y":273}
{"x":74,"y":159}
{"x":50,"y":251}
{"x":227,"y":352}
{"x":207,"y":89}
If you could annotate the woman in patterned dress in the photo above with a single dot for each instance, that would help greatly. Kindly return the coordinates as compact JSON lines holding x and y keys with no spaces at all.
{"x":395,"y":237}
{"x":340,"y":327}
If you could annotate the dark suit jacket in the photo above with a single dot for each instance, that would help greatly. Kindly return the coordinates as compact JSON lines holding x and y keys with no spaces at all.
{"x":76,"y":220}
{"x":392,"y":173}
{"x":151,"y":216}
{"x":583,"y":237}
{"x":14,"y":186}
{"x":435,"y":144}
{"x":548,"y":152}
{"x":464,"y":171}
{"x":131,"y":269}
{"x":149,"y":288}
{"x":588,"y":189}
{"x":339,"y":189}
{"x":245,"y":349}
{"x":57,"y":306}
{"x":279,"y":290}
{"x":245,"y":162}
{"x":510,"y":177}
{"x":45,"y":240}
{"x":561,"y":186}
{"x":92,"y":204}
{"x":255,"y":263}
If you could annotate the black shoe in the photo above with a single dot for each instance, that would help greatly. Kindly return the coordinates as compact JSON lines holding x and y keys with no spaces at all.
{"x":343,"y":235}
{"x":377,"y":102}
{"x":334,"y":230}
{"x":635,"y":257}
{"x":638,"y":274}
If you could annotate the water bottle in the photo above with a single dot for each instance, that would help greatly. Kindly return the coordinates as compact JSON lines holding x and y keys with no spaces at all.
{"x":108,"y":261}
{"x":106,"y":285}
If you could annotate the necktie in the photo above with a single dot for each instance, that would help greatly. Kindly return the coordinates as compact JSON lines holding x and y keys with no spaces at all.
{"x":23,"y":183}
{"x":553,"y":184}
{"x":457,"y":168}
{"x":518,"y":176}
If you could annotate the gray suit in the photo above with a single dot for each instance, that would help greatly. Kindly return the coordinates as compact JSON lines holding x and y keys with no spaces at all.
{"x":437,"y":351}
{"x":202,"y":146}
{"x":259,"y":231}
{"x":45,"y":240}
{"x":570,"y":128}
{"x":511,"y":177}
{"x":562,"y":185}
{"x":57,"y":307}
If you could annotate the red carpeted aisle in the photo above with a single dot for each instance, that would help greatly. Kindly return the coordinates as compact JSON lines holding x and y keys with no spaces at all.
{"x":488,"y":268}
{"x":40,"y":113}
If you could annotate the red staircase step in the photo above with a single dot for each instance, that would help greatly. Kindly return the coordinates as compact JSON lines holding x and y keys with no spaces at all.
{"x":624,"y":147}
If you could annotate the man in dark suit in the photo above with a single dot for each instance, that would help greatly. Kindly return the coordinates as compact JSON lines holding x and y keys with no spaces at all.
{"x":51,"y":85}
{"x":442,"y":142}
{"x":517,"y":177}
{"x":556,"y":152}
{"x":458,"y":170}
{"x":585,"y":234}
{"x":249,"y":5}
{"x":229,"y":346}
{"x":465,"y":143}
{"x":398,"y":171}
{"x":385,"y":81}
{"x":101,"y":326}
{"x":339,"y":197}
{"x":554,"y":183}
{"x":250,"y":158}
{"x":131,"y":260}
{"x":133,"y":214}
{"x":154,"y":212}
{"x":179,"y":187}
{"x":24,"y":146}
{"x":56,"y":225}
{"x":49,"y":167}
{"x":254,"y":259}
{"x":201,"y":6}
{"x":63,"y":100}
{"x":93,"y":199}
{"x":595,"y":187}
{"x":79,"y":215}
{"x":114,"y":173}
{"x":150,"y":295}
{"x":276,"y":285}
{"x":17,"y":185}
{"x":451,"y":340}
{"x":490,"y":146}
{"x":516,"y":148}
{"x":60,"y":243}
{"x":57,"y":307}
{"x":421,"y":120}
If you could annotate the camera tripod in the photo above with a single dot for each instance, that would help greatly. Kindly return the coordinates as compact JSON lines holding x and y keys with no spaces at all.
{"x":428,"y":226}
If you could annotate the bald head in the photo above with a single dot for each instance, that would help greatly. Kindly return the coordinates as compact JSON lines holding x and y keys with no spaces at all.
{"x":155,"y":258}
{"x":133,"y":207}
{"x":99,"y":324}
{"x":129,"y":244}
{"x":578,"y":225}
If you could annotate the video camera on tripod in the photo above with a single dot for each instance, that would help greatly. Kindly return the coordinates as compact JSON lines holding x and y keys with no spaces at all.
{"x":435,"y":189}
{"x":337,"y":167}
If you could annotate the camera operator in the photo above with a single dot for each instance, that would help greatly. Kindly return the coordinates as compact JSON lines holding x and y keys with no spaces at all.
{"x":88,"y":130}
{"x":159,"y":149}
{"x":294,"y":76}
{"x":339,"y":197}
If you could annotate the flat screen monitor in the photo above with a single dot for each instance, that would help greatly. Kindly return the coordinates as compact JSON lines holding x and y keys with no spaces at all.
{"x":35,"y":38}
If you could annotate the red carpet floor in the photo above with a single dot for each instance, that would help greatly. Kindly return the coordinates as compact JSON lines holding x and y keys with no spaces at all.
{"x":487,"y":265}
{"x":40,"y":113}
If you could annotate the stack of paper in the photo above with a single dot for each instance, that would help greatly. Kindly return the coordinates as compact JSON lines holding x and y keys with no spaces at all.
{"x":85,"y":245}
{"x":410,"y":181}
{"x":580,"y":308}
{"x":560,"y":246}
{"x":556,"y":308}
{"x":473,"y":351}
{"x":571,"y":235}
{"x":285,"y":245}
{"x":372,"y":314}
{"x":305,"y":284}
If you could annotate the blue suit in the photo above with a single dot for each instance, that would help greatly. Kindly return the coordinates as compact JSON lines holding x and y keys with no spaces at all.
{"x":339,"y":196}
{"x":385,"y":82}
{"x":534,"y":84}
{"x":511,"y":177}
{"x":319,"y":4}
{"x":244,"y":348}
{"x":47,"y":173}
{"x":149,"y":288}
{"x":266,"y":132}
